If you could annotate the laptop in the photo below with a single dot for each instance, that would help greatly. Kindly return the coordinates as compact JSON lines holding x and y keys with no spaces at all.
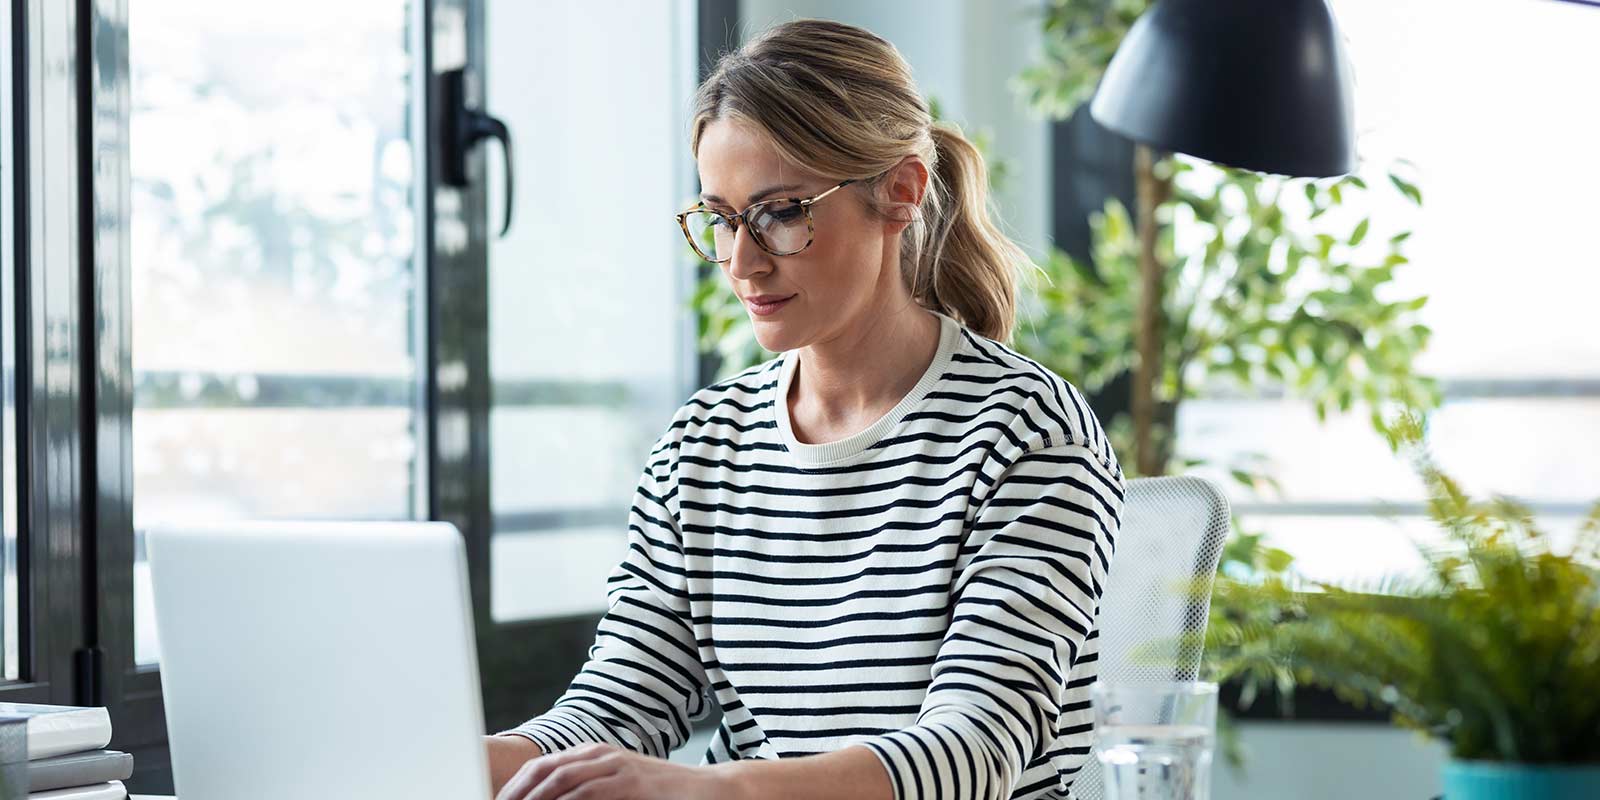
{"x":318,"y":660}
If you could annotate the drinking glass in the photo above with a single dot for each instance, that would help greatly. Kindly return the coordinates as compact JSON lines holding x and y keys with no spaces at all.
{"x":1155,"y":739}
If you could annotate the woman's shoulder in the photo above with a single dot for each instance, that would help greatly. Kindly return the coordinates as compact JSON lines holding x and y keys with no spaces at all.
{"x":751,"y":382}
{"x":747,"y":392}
{"x":1045,"y":409}
{"x":740,"y":400}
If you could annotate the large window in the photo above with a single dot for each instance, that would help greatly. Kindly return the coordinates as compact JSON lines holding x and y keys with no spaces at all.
{"x":238,"y":282}
{"x":276,"y":278}
{"x":1506,"y":155}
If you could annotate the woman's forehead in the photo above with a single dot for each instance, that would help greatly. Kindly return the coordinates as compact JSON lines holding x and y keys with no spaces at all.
{"x":737,"y":161}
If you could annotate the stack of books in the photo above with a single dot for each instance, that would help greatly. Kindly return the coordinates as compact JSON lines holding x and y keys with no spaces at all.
{"x":57,"y":753}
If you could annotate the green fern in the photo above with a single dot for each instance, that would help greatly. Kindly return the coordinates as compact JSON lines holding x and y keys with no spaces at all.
{"x":1494,"y":649}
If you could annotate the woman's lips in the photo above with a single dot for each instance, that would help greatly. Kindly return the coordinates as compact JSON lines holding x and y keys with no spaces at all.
{"x":765,"y":309}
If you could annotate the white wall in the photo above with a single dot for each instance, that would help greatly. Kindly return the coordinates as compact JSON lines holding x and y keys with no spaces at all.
{"x":1331,"y":761}
{"x":590,"y":284}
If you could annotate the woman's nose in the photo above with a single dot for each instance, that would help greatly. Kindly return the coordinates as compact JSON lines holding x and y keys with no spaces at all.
{"x":748,"y":258}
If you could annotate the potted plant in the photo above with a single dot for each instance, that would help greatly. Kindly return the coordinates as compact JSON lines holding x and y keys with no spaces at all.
{"x":1494,"y":648}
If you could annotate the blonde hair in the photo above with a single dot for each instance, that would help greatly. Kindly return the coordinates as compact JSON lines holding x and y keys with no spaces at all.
{"x":839,"y":100}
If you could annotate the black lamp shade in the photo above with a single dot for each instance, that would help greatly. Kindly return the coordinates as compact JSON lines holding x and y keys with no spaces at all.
{"x":1258,"y":84}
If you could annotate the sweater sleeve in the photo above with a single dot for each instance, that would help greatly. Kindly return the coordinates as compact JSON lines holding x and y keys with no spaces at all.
{"x":643,"y":682}
{"x":1023,"y":602}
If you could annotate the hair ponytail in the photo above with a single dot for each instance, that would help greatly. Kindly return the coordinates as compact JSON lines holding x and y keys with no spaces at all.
{"x":840,"y":100}
{"x":963,"y":266}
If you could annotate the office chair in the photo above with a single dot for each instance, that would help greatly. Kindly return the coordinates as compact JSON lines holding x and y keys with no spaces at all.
{"x":1172,"y":531}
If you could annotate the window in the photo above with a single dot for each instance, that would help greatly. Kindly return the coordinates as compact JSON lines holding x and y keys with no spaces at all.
{"x":276,"y":275}
{"x":1501,"y":246}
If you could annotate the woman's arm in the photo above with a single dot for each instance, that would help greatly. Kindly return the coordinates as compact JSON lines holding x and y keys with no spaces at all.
{"x":850,"y":773}
{"x":643,"y":683}
{"x":507,"y":754}
{"x":1023,"y":606}
{"x":603,"y":771}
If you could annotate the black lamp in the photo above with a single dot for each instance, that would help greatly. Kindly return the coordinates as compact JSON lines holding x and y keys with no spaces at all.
{"x":1258,"y":84}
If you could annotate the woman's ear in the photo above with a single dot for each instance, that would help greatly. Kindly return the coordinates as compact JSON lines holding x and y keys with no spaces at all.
{"x":904,"y":185}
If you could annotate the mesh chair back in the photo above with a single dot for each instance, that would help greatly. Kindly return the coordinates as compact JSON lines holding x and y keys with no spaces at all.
{"x":1172,"y":531}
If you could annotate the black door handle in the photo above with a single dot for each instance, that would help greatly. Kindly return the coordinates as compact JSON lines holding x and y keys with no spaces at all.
{"x":461,"y":128}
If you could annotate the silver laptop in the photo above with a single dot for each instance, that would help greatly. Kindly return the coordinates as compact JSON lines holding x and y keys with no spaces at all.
{"x":318,"y":660}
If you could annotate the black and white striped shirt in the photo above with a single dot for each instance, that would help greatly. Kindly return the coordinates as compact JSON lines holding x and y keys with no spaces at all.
{"x":927,"y":587}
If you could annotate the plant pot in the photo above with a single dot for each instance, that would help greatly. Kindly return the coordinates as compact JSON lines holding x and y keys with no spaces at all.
{"x":1500,"y":780}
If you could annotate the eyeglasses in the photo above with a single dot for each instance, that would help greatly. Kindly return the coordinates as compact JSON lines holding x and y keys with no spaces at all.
{"x":780,"y":226}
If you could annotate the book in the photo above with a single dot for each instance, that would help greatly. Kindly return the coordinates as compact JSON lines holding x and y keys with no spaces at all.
{"x":110,"y":790}
{"x":79,"y":769}
{"x":13,"y":756}
{"x":58,"y":730}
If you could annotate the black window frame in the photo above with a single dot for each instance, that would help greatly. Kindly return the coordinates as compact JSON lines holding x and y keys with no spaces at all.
{"x":47,"y":182}
{"x":56,"y":232}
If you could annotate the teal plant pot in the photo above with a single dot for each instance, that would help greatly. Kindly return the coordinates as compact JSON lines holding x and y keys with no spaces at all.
{"x":1496,"y":780}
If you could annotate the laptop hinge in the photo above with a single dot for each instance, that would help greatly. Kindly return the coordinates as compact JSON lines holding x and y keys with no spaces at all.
{"x":89,"y":663}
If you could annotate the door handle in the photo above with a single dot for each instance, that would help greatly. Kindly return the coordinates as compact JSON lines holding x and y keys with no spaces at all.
{"x":461,"y":128}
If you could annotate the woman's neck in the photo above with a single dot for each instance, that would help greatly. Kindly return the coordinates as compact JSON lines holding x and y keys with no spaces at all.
{"x":843,"y":385}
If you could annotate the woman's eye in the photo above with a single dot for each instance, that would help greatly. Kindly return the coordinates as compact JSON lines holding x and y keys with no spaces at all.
{"x":719,"y":222}
{"x":787,"y":213}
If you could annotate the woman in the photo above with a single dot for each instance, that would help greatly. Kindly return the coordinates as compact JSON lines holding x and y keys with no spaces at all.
{"x":881,"y":553}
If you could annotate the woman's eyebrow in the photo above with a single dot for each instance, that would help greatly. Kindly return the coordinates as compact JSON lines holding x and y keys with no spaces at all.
{"x":787,"y":187}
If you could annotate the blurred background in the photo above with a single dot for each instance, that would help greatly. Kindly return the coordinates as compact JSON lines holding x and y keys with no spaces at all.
{"x":246,"y":285}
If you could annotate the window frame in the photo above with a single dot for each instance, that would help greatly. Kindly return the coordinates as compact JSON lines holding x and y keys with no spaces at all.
{"x":55,"y":582}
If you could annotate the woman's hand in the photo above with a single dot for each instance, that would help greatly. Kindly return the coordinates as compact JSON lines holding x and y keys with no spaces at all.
{"x":605,"y":772}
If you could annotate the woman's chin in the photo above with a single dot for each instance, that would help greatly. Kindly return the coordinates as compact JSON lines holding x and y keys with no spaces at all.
{"x":771,"y":335}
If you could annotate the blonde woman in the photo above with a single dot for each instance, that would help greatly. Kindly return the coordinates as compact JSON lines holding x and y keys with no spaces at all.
{"x":880,"y":554}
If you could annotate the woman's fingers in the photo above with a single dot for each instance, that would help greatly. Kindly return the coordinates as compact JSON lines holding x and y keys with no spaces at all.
{"x":551,"y":776}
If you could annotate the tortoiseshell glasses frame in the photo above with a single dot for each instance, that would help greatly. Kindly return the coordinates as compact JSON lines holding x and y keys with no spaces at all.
{"x":757,"y":228}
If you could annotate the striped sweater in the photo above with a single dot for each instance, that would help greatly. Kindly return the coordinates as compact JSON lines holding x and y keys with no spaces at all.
{"x":926,"y":588}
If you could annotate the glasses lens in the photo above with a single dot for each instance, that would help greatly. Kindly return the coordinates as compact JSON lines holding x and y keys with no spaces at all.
{"x":782,"y":226}
{"x":710,"y":234}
